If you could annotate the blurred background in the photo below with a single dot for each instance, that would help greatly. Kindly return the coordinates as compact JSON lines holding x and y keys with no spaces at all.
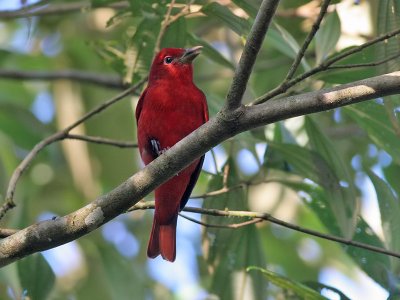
{"x":325,"y":171}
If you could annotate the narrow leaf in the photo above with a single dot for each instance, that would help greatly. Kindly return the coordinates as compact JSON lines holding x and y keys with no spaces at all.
{"x":237,"y":24}
{"x":327,"y":36}
{"x":210,"y":51}
{"x":301,"y":290}
{"x":36,"y":276}
{"x":389,"y":208}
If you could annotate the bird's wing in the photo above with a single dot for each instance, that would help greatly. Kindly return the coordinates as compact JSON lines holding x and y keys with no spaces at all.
{"x":140,"y":105}
{"x":192,"y":182}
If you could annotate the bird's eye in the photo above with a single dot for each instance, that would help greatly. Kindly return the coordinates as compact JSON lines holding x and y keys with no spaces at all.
{"x":168,"y":60}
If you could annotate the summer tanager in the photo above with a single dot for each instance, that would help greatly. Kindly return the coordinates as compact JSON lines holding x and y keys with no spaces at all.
{"x":170,"y":108}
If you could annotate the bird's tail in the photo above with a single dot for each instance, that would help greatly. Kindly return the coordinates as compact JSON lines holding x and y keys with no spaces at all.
{"x":163,"y":240}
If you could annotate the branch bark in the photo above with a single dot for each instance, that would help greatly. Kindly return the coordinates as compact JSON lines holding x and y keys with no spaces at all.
{"x":52,"y":233}
{"x":249,"y":55}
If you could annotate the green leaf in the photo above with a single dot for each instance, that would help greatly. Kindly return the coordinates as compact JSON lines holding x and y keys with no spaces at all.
{"x":210,"y":51}
{"x":290,"y":43}
{"x":36,"y":276}
{"x":237,"y":24}
{"x":230,"y":251}
{"x":390,"y":211}
{"x":312,"y":165}
{"x":20,"y":125}
{"x":301,"y":290}
{"x":373,"y":118}
{"x":321,"y":144}
{"x":317,"y":199}
{"x":175,"y":36}
{"x":345,"y":75}
{"x":249,"y":6}
{"x":373,"y":264}
{"x":327,"y":36}
{"x":320,"y":287}
{"x":123,"y":278}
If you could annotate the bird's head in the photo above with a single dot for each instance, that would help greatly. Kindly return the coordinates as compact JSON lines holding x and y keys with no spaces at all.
{"x":174,"y":63}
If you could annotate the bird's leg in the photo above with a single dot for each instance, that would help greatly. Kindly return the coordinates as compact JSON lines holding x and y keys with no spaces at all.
{"x":156,"y":147}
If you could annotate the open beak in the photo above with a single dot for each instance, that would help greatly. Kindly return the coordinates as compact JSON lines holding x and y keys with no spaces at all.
{"x":190,"y":54}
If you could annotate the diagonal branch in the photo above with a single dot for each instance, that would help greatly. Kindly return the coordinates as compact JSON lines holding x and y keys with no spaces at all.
{"x":60,"y":135}
{"x":256,"y":217}
{"x":52,"y":233}
{"x":325,"y":65}
{"x":308,"y":40}
{"x":249,"y":55}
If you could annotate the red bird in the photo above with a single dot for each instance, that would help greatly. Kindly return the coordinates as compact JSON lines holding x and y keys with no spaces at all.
{"x":170,"y":108}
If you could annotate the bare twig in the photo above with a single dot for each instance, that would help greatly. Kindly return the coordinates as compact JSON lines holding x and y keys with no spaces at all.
{"x":106,"y":104}
{"x":226,"y":226}
{"x":308,"y":40}
{"x":249,"y":54}
{"x":257,"y":217}
{"x":101,"y":140}
{"x":76,"y":75}
{"x":56,"y":9}
{"x":322,"y":67}
{"x":363,"y":65}
{"x":9,"y":201}
{"x":164,"y":25}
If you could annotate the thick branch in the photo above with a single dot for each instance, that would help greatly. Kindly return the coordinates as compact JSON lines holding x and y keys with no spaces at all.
{"x":249,"y":55}
{"x":81,"y":76}
{"x":52,"y":233}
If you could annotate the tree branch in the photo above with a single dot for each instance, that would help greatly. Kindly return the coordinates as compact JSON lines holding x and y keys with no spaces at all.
{"x":60,"y":135}
{"x":325,"y":65}
{"x":101,"y":141}
{"x":52,"y":233}
{"x":249,"y":55}
{"x":308,"y":40}
{"x":56,"y":8}
{"x":81,"y":76}
{"x":257,"y":217}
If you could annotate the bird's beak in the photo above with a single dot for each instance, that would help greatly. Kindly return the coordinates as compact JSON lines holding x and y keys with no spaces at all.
{"x":190,"y":54}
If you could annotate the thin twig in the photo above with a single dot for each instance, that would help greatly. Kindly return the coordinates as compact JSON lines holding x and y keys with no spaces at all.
{"x":363,"y":65}
{"x":106,"y":104}
{"x":77,"y":75}
{"x":249,"y":54}
{"x":57,"y":9}
{"x":323,"y":66}
{"x":101,"y":140}
{"x":269,"y":218}
{"x":227,"y":226}
{"x":308,"y":40}
{"x":60,"y":135}
{"x":164,"y":26}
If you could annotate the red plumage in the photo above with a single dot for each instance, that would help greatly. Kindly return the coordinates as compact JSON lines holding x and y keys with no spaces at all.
{"x":169,"y":109}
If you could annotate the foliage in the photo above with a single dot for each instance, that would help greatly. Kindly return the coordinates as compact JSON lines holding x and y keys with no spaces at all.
{"x":320,"y":171}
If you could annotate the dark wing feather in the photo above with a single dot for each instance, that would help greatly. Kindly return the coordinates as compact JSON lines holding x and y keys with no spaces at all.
{"x":192,"y":182}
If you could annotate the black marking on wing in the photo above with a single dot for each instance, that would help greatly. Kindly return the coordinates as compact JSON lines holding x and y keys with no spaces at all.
{"x":192,"y":183}
{"x":155,"y":147}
